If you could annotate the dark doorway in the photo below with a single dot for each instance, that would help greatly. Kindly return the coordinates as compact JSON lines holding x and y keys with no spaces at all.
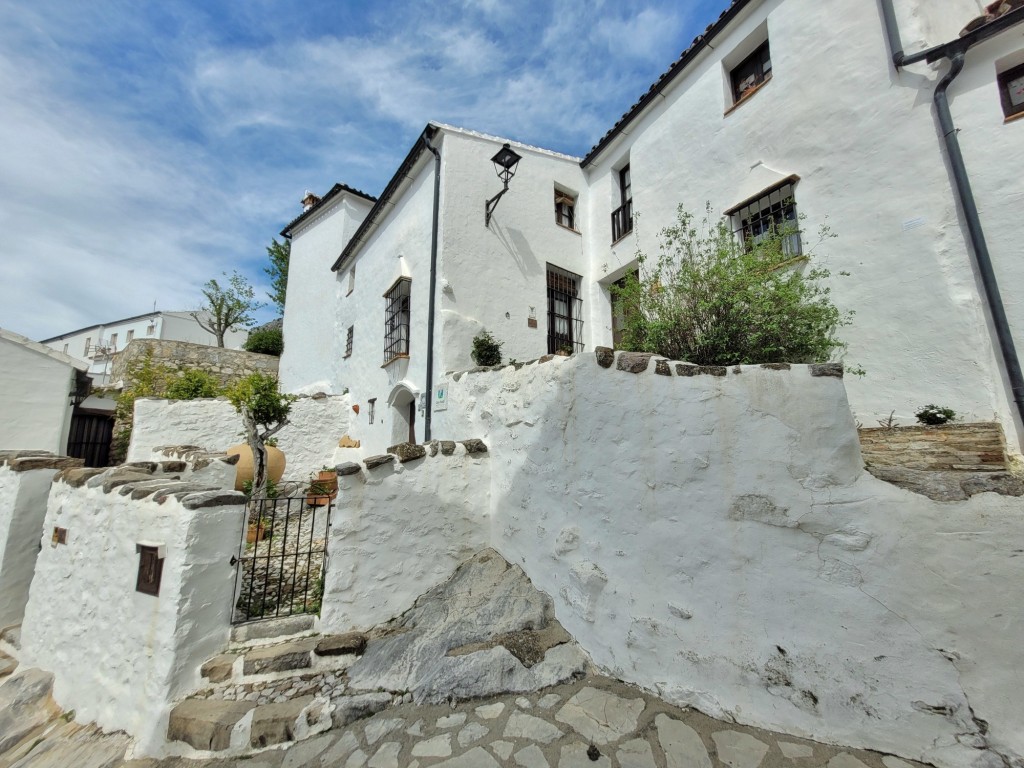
{"x":89,"y":438}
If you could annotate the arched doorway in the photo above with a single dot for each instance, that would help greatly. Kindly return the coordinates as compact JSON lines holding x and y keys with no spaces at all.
{"x":403,"y":415}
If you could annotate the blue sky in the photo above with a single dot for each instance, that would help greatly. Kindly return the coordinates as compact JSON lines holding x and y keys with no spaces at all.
{"x":150,"y":146}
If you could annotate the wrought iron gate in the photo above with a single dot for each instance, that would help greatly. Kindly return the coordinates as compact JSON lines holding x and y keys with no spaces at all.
{"x":282,"y":557}
{"x":89,"y":437}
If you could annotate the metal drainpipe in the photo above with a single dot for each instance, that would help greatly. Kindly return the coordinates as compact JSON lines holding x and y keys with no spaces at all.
{"x":433,"y":288}
{"x":965,"y":196}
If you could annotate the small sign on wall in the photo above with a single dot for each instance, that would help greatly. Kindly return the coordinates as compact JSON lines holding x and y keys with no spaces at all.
{"x":441,"y":397}
{"x":60,"y":536}
{"x":151,"y":568}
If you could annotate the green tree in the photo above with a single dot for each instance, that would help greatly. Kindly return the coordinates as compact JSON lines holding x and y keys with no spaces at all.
{"x":227,"y":307}
{"x":712,"y":299}
{"x":265,"y":341}
{"x":279,"y":254}
{"x":264,"y":410}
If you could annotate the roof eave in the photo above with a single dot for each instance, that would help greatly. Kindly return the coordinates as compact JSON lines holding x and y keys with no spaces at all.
{"x":334,"y":191}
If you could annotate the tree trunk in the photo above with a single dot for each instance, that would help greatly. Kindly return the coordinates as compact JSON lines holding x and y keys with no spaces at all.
{"x":220,"y":338}
{"x":259,"y":454}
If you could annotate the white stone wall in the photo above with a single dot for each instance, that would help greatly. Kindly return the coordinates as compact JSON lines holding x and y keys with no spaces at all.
{"x":35,"y":410}
{"x":119,"y":656}
{"x":397,"y":531}
{"x":22,"y":509}
{"x":308,"y":442}
{"x":715,"y":540}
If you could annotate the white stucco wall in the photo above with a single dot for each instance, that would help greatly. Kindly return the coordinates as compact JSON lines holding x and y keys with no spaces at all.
{"x":308,"y":442}
{"x":397,"y":531}
{"x":689,"y":528}
{"x":22,"y":509}
{"x":863,"y":140}
{"x":119,"y":656}
{"x":35,"y":409}
{"x":313,"y":331}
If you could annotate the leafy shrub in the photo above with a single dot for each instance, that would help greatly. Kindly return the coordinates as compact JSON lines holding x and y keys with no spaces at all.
{"x":266,"y":341}
{"x":713,"y":300}
{"x":193,"y":384}
{"x":486,"y":349}
{"x":935,"y":414}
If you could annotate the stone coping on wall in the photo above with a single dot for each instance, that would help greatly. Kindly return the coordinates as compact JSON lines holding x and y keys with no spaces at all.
{"x":24,"y":461}
{"x":156,"y":481}
{"x":406,"y":452}
{"x":640,"y":362}
{"x":195,"y":456}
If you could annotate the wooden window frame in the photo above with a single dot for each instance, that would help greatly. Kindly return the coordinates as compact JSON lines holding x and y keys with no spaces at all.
{"x":565,"y":209}
{"x":755,"y":63}
{"x":622,"y":217}
{"x":1010,"y":112}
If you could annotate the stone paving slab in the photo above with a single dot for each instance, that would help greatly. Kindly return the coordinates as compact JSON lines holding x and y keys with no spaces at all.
{"x":596,"y":721}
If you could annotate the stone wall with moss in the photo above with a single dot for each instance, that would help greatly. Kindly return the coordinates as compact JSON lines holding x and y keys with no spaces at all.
{"x":228,"y":365}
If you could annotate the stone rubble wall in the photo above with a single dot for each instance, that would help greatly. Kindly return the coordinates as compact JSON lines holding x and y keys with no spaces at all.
{"x":709,"y":534}
{"x":25,"y":478}
{"x":119,"y":657}
{"x":978,"y":447}
{"x":228,"y":365}
{"x":402,"y":523}
{"x":309,"y":442}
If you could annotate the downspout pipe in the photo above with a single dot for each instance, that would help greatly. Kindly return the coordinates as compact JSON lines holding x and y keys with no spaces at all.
{"x":433,"y":285}
{"x":956,"y":53}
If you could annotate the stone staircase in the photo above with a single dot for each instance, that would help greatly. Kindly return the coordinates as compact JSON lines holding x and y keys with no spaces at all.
{"x":273,"y":687}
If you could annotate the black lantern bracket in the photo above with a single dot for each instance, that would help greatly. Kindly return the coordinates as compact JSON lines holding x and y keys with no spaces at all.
{"x":506,"y":161}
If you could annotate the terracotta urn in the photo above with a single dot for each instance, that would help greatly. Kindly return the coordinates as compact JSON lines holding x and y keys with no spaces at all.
{"x":243,"y":469}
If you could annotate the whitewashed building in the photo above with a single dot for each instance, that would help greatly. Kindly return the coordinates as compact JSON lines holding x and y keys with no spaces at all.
{"x":781,"y":108}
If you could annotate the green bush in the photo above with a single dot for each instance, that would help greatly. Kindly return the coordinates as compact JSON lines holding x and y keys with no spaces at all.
{"x":486,"y":349}
{"x":266,"y":341}
{"x":711,"y":299}
{"x":193,"y":384}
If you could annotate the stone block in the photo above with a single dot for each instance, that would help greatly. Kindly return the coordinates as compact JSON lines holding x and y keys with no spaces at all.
{"x":474,"y":445}
{"x":336,"y":645}
{"x":348,"y":709}
{"x":348,"y":442}
{"x":215,"y":498}
{"x":218,"y":669}
{"x":827,"y":369}
{"x":633,"y":362}
{"x":372,"y":462}
{"x":78,"y":476}
{"x":775,"y":366}
{"x":206,"y":723}
{"x":268,"y":628}
{"x":687,"y":369}
{"x":275,"y":723}
{"x":711,"y":370}
{"x":279,"y":658}
{"x":29,"y":463}
{"x":605,"y":356}
{"x":661,"y":367}
{"x":118,"y":477}
{"x":447,"y":447}
{"x":348,"y":468}
{"x":408,"y":451}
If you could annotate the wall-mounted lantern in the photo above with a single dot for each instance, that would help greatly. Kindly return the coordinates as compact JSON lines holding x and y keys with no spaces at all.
{"x":505,"y":164}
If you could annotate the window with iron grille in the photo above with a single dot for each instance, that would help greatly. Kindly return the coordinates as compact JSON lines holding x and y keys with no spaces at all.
{"x":774,"y":211}
{"x":348,"y":340}
{"x":396,"y":320}
{"x":1011,"y":91}
{"x":751,"y":73}
{"x":565,"y":311}
{"x":622,"y":217}
{"x":565,"y":210}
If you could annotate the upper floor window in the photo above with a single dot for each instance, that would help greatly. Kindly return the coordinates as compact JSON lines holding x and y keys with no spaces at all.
{"x":565,"y":209}
{"x":88,"y":341}
{"x":565,"y":312}
{"x":113,"y":342}
{"x":348,"y":340}
{"x":150,"y":329}
{"x":774,"y":211}
{"x":1011,"y":90}
{"x":748,"y":76}
{"x":622,"y":217}
{"x":129,"y":336}
{"x":65,"y":349}
{"x":396,"y":320}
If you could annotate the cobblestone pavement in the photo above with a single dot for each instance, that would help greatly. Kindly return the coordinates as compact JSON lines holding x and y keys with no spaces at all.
{"x":593,"y":722}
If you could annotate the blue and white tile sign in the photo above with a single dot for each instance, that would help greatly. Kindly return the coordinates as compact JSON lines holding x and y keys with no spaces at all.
{"x":441,"y":397}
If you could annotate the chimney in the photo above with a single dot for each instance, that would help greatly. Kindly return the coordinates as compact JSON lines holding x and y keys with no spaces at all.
{"x":309,"y":201}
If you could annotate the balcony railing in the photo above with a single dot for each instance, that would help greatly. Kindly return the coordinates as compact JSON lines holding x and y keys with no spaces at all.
{"x":622,"y":220}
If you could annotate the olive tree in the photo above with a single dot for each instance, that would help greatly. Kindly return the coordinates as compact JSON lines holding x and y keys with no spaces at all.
{"x":226,"y":307}
{"x":264,"y":409}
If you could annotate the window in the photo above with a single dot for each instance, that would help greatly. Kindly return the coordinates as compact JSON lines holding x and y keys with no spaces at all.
{"x":113,"y":342}
{"x":618,"y":310}
{"x":396,"y":320}
{"x":129,"y":336}
{"x":565,"y":311}
{"x":65,"y":349}
{"x":622,"y":217}
{"x":751,"y":73}
{"x":88,"y":341}
{"x":348,"y":340}
{"x":351,"y":280}
{"x":565,"y":210}
{"x":774,"y":210}
{"x":150,"y":329}
{"x":1011,"y":90}
{"x":373,"y":407}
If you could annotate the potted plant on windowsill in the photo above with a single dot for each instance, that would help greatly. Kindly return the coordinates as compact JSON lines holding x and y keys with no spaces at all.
{"x":564,"y":350}
{"x":323,"y":487}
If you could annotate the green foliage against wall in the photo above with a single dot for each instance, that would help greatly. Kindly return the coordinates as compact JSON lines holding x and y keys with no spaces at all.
{"x":265,"y":341}
{"x":710,"y":299}
{"x":486,"y":349}
{"x":279,"y":255}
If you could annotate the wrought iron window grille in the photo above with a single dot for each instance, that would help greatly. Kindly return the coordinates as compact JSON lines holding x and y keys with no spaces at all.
{"x":565,"y":311}
{"x":396,"y":320}
{"x":774,"y":212}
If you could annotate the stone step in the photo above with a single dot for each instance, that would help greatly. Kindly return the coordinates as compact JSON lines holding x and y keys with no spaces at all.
{"x":296,"y":654}
{"x":283,"y":657}
{"x":7,"y":664}
{"x":213,"y":725}
{"x":11,"y":636}
{"x":266,"y":629}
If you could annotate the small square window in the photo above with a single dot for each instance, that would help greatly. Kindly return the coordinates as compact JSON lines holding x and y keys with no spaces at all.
{"x":150,"y":329}
{"x":748,"y":76}
{"x":348,"y":340}
{"x":1011,"y":91}
{"x":565,"y":210}
{"x":129,"y":336}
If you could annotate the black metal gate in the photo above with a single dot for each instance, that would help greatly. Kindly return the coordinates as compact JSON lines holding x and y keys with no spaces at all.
{"x":282,"y":557}
{"x":89,"y":437}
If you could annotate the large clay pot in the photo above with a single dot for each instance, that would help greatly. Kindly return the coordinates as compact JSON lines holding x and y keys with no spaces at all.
{"x":243,"y":469}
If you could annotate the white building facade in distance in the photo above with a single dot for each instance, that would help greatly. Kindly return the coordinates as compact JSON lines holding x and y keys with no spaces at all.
{"x":780,"y":109}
